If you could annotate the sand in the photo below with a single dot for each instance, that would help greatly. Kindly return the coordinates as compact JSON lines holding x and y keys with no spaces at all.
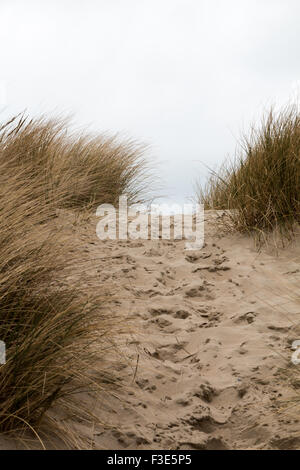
{"x":210,"y":356}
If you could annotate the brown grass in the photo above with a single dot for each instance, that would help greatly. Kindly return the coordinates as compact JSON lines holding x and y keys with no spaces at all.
{"x":57,"y":339}
{"x":261,"y":186}
{"x":87,"y":169}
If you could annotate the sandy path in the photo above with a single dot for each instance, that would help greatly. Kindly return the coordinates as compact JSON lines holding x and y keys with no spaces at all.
{"x":212,"y":348}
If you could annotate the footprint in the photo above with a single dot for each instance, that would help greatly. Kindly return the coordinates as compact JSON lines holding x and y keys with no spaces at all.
{"x":182,"y":314}
{"x":192,"y":257}
{"x":155,"y":311}
{"x":206,"y":392}
{"x":196,"y":289}
{"x":248,"y":317}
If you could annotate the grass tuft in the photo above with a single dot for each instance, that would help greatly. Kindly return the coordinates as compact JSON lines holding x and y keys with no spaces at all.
{"x":261,"y":186}
{"x":89,"y":170}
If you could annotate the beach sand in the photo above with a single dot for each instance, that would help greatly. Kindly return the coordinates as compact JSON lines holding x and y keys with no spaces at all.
{"x":209,"y":357}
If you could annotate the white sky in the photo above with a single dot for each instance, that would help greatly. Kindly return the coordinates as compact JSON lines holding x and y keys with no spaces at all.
{"x":185,"y":76}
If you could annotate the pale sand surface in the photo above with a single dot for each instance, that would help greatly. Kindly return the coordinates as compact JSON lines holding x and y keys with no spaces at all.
{"x":211,"y":352}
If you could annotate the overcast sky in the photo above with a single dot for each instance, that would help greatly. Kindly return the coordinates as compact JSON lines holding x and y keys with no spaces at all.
{"x":185,"y":76}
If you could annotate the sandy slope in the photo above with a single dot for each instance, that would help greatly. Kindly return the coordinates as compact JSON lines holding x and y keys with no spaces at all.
{"x":215,"y":329}
{"x":211,"y":354}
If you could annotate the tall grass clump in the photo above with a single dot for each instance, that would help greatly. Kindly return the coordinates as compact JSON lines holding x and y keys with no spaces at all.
{"x":58,"y":339}
{"x":261,"y":186}
{"x":88,"y":169}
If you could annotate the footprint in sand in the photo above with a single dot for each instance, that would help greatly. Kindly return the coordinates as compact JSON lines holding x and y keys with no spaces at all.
{"x":196,"y":289}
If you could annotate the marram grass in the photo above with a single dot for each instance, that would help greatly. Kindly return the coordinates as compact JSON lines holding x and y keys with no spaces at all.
{"x":261,"y":186}
{"x":57,"y":340}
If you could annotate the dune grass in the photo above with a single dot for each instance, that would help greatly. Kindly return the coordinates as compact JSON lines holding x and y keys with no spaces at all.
{"x":87,"y":169}
{"x":261,"y":186}
{"x":57,"y":339}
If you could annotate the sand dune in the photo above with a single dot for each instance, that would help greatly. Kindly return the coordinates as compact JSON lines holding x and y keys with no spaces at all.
{"x":213,"y":342}
{"x":211,"y":351}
